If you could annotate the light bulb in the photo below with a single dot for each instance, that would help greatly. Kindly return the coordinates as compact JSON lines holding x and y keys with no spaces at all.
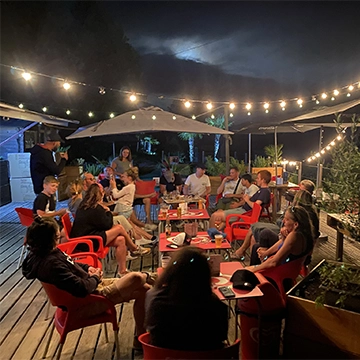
{"x":351,"y":88}
{"x":231,"y":115}
{"x":323,"y":96}
{"x":187,"y":104}
{"x":348,"y":94}
{"x":339,"y":137}
{"x":249,"y":113}
{"x":300,"y":101}
{"x":153,"y":117}
{"x":44,"y":109}
{"x":309,"y":159}
{"x":90,"y":114}
{"x":212,"y":116}
{"x":132,"y":97}
{"x":26,"y":76}
{"x":266,"y":105}
{"x":112,"y":115}
{"x":283,"y":104}
{"x":332,"y":99}
{"x":332,"y":143}
{"x":133,"y":117}
{"x":313,"y":158}
{"x":322,"y":151}
{"x":174,"y":117}
{"x":232,"y":106}
{"x":248,"y":106}
{"x":66,"y":86}
{"x":68,"y":112}
{"x":21,"y":106}
{"x":317,"y":102}
{"x":102,"y":90}
{"x":193,"y":117}
{"x":336,"y":92}
{"x":328,"y":147}
{"x":267,"y":110}
{"x":209,"y":106}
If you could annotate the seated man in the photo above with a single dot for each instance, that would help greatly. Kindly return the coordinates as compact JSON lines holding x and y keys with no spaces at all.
{"x":198,"y":184}
{"x":45,"y":202}
{"x":48,"y":264}
{"x":255,"y":230}
{"x":169,"y":182}
{"x":88,"y":179}
{"x":262,"y":196}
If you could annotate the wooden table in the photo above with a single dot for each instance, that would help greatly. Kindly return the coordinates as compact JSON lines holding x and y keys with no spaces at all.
{"x":183,"y":199}
{"x":278,"y":191}
{"x":192,"y":214}
{"x":336,"y":222}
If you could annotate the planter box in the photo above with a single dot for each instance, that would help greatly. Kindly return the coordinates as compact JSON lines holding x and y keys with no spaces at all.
{"x":74,"y":171}
{"x":215,"y":183}
{"x":62,"y":188}
{"x":319,"y":333}
{"x":255,"y":170}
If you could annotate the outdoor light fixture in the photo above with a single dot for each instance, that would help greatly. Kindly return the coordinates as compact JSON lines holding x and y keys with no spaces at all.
{"x":336,"y":92}
{"x":90,"y":114}
{"x":351,"y":88}
{"x":248,"y":106}
{"x":339,"y":137}
{"x":232,"y":106}
{"x":283,"y":104}
{"x":300,"y":102}
{"x":133,"y":117}
{"x":26,"y":76}
{"x":153,"y":117}
{"x":68,"y":112}
{"x":187,"y":104}
{"x":174,"y":117}
{"x":231,"y":115}
{"x":332,"y":99}
{"x":102,"y":90}
{"x":266,"y":105}
{"x":193,"y":117}
{"x":44,"y":109}
{"x":132,"y":97}
{"x":323,"y":96}
{"x":212,"y":116}
{"x":112,"y":115}
{"x":21,"y":106}
{"x":66,"y":86}
{"x":249,"y":113}
{"x":209,"y":105}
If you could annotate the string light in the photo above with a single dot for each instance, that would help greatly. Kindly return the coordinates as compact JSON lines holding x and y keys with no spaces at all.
{"x":266,"y":105}
{"x":336,"y":92}
{"x":231,"y":115}
{"x":90,"y":114}
{"x":209,"y":105}
{"x":351,"y":88}
{"x":323,"y":95}
{"x":66,"y":86}
{"x":112,"y":115}
{"x":193,"y":117}
{"x":44,"y":109}
{"x":248,"y":106}
{"x":27,"y":76}
{"x":68,"y":112}
{"x":187,"y":104}
{"x":174,"y":117}
{"x":212,"y":116}
{"x":300,"y":102}
{"x":153,"y":117}
{"x":249,"y":113}
{"x":332,"y":99}
{"x":232,"y":106}
{"x":21,"y":106}
{"x":132,"y":97}
{"x":133,"y":117}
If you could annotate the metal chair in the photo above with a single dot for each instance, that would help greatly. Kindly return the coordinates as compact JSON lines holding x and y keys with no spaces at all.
{"x":70,"y":316}
{"x":26,"y":218}
{"x":152,"y":352}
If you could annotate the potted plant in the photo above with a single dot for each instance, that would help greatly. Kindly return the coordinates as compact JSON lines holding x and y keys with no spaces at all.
{"x":323,"y":314}
{"x":264,"y":163}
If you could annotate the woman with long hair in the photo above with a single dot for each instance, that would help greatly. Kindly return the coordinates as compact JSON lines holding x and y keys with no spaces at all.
{"x":123,"y":162}
{"x":74,"y":191}
{"x":182,"y":312}
{"x":296,"y":240}
{"x":94,"y":218}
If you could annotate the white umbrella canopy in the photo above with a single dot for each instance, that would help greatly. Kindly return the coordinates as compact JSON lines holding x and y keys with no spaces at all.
{"x":151,"y":119}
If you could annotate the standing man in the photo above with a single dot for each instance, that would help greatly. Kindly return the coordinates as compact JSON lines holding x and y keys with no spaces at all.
{"x":198,"y":184}
{"x":42,"y":162}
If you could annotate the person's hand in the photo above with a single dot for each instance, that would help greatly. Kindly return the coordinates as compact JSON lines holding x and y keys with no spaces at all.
{"x":250,"y":268}
{"x":228,"y":195}
{"x":246,"y":197}
{"x":95,"y":271}
{"x":62,"y":212}
{"x":112,"y":183}
{"x":226,"y":179}
{"x":64,"y":155}
{"x":105,"y":207}
{"x":234,"y":205}
{"x":284,"y":232}
{"x":262,"y":253}
{"x":107,"y":191}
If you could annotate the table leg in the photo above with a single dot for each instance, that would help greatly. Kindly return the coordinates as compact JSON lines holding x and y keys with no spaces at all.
{"x":339,"y":245}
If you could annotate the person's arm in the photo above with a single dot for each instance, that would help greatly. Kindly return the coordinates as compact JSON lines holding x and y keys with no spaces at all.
{"x":48,"y":161}
{"x":207,"y":191}
{"x":220,"y":189}
{"x":186,"y":189}
{"x":42,"y":213}
{"x":162,"y":189}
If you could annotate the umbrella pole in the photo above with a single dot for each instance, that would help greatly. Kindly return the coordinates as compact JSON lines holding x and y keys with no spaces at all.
{"x":113,"y":149}
{"x":319,"y":165}
{"x":227,"y":139}
{"x":276,"y":152}
{"x":249,"y":166}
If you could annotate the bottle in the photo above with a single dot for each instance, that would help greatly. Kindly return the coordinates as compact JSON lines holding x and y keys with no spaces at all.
{"x":178,"y":211}
{"x":167,"y":227}
{"x":200,"y":205}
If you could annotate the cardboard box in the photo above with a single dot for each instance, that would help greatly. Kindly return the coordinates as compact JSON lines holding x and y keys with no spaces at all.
{"x":19,"y":165}
{"x":22,"y":189}
{"x":74,"y":171}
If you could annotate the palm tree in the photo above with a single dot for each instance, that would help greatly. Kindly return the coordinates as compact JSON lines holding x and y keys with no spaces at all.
{"x":218,"y":122}
{"x":270,"y":152}
{"x":190,"y":138}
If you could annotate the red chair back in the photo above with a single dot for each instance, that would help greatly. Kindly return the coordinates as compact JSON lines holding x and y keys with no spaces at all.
{"x":145,"y":187}
{"x":266,"y":212}
{"x":26,"y":216}
{"x":152,"y":352}
{"x":69,"y":315}
{"x":65,"y":219}
{"x":284,"y":276}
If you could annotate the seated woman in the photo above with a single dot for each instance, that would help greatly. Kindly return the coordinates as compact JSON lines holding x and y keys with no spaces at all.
{"x":74,"y":191}
{"x":94,"y":218}
{"x":266,"y":235}
{"x":182,"y":313}
{"x":297,"y":240}
{"x":48,"y":264}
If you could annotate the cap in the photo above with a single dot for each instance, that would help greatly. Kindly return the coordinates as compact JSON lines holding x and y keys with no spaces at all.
{"x":244,"y":279}
{"x":179,"y":239}
{"x":201,"y":166}
{"x":52,"y":135}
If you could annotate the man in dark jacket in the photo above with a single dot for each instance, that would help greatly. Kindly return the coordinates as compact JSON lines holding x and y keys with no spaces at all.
{"x":42,"y":162}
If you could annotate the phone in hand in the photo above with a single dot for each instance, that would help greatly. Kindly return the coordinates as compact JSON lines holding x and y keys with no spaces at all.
{"x":172,"y":246}
{"x":226,"y":292}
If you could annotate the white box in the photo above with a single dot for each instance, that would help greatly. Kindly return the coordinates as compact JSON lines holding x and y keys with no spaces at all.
{"x":22,"y":189}
{"x":19,"y":165}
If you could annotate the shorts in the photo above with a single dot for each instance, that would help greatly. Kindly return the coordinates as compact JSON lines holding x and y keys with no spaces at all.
{"x":258,"y":227}
{"x":124,"y":210}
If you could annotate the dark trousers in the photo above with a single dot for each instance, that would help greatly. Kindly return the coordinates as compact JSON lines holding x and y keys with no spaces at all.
{"x":267,"y":239}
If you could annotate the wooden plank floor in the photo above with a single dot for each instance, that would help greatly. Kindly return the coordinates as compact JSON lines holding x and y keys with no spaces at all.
{"x":24,"y":323}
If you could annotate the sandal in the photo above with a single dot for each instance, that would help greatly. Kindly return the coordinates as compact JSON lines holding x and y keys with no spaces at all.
{"x":233,"y":256}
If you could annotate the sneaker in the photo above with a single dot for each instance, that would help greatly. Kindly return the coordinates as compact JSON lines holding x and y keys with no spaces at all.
{"x":140,"y":251}
{"x":144,"y":241}
{"x":234,"y":256}
{"x":149,"y":231}
{"x":151,"y":227}
{"x":129,"y":256}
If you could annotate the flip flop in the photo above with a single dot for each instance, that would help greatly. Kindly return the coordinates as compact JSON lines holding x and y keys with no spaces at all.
{"x":233,"y":256}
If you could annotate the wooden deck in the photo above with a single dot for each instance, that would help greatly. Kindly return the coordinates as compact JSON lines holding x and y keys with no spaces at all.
{"x":24,"y":325}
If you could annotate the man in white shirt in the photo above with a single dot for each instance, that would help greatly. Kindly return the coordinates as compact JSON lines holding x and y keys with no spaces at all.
{"x":249,"y":188}
{"x":198,"y":184}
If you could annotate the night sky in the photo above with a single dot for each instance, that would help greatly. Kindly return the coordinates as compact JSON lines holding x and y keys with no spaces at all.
{"x":219,"y":51}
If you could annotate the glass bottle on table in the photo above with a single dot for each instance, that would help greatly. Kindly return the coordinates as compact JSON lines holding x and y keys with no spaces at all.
{"x":167,"y":227}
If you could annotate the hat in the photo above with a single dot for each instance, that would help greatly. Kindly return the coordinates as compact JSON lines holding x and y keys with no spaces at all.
{"x":179,"y":239}
{"x":201,"y":166}
{"x":52,"y":135}
{"x":244,"y":279}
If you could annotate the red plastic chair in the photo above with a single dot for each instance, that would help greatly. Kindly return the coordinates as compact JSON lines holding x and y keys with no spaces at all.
{"x":147,"y":187}
{"x":26,"y":218}
{"x":237,"y":230}
{"x":101,"y":252}
{"x":266,"y":213}
{"x":152,"y":352}
{"x":69,"y":315}
{"x":284,"y":276}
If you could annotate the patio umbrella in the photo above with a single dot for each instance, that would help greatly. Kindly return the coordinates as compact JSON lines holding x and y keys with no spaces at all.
{"x":151,"y":119}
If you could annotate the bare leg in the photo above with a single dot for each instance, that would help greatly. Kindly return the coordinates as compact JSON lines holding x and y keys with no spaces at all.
{"x":217,"y":220}
{"x":139,"y":233}
{"x":147,"y":204}
{"x":245,"y":245}
{"x":135,"y":220}
{"x":117,"y":230}
{"x":120,"y":252}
